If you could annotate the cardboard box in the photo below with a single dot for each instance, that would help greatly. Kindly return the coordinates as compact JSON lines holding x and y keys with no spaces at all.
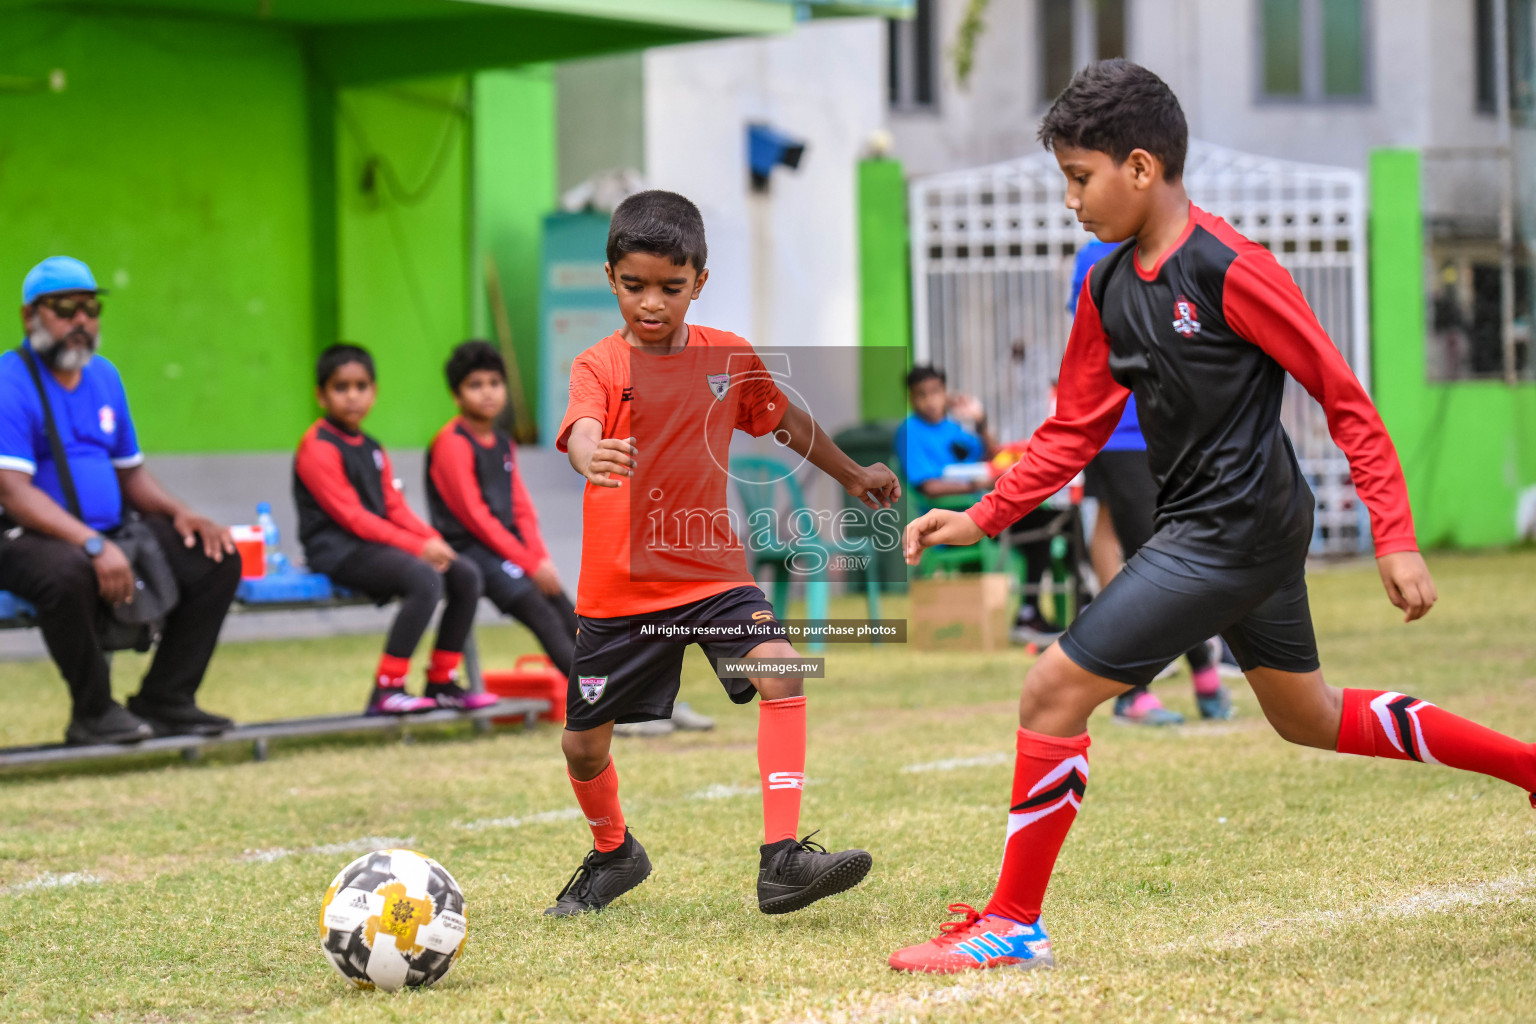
{"x":960,"y":613}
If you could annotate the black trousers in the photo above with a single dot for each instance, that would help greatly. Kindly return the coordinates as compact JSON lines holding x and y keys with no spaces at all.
{"x":550,"y":617}
{"x":384,"y":573}
{"x":60,"y":582}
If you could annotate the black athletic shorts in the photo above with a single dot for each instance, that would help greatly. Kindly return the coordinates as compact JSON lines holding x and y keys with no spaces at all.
{"x":1162,"y":604}
{"x":1123,"y":481}
{"x":617,"y":679}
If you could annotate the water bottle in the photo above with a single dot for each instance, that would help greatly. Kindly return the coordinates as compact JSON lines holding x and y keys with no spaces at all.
{"x":276,"y":562}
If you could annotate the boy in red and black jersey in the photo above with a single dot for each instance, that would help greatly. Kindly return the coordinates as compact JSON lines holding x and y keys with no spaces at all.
{"x":478,"y":503}
{"x":357,"y":529}
{"x":1203,"y":326}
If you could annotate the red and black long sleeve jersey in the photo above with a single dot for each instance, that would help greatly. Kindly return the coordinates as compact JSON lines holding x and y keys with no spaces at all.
{"x":344,"y":489}
{"x":476,"y":495}
{"x":1204,"y":339}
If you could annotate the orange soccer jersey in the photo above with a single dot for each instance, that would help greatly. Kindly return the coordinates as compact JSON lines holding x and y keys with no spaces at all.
{"x":663,"y":538}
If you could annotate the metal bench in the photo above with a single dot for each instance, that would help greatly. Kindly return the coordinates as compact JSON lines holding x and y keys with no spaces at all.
{"x":277,"y":593}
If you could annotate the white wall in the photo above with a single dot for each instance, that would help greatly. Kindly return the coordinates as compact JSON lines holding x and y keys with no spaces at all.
{"x":1421,"y":66}
{"x":783,"y":266}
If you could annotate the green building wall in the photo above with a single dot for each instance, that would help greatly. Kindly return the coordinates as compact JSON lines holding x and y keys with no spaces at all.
{"x":885,"y":302}
{"x":1467,"y":448}
{"x":174,"y":162}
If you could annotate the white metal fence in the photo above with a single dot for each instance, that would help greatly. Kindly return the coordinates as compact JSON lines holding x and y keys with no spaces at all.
{"x":992,"y":254}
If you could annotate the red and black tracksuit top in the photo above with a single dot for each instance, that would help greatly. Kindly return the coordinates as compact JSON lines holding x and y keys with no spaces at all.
{"x":344,"y":489}
{"x":475,"y":496}
{"x":1204,"y":339}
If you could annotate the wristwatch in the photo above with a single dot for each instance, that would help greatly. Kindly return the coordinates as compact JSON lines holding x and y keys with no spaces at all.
{"x":94,"y":545}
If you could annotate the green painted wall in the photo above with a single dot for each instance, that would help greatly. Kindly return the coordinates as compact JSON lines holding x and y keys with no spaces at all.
{"x":174,"y":162}
{"x":515,"y":185}
{"x":884,"y":287}
{"x":1467,"y":448}
{"x":402,"y":208}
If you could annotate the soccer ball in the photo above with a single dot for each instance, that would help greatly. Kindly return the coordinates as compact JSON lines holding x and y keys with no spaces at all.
{"x":393,"y":918}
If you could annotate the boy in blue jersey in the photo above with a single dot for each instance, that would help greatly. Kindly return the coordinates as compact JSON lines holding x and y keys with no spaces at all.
{"x":932,"y":440}
{"x":1120,"y":479}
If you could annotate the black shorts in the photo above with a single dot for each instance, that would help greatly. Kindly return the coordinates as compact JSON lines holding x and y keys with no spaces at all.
{"x":1122,"y":481}
{"x":617,"y":679}
{"x":1162,"y":604}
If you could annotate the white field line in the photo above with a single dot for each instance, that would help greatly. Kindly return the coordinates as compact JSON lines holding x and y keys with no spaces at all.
{"x":366,"y":844}
{"x":49,"y":880}
{"x":998,"y":983}
{"x":1514,"y":888}
{"x":722,"y":791}
{"x":563,"y":814}
{"x":952,"y":763}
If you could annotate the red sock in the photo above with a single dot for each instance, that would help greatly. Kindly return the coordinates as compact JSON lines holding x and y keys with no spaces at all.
{"x":1049,"y":778}
{"x":443,"y":666}
{"x":392,"y":671}
{"x":599,"y":799}
{"x":1380,"y":723}
{"x":781,"y":762}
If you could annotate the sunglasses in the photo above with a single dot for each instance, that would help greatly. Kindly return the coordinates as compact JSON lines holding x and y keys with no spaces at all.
{"x":67,"y":306}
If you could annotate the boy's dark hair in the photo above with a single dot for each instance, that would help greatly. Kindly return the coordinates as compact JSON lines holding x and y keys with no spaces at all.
{"x":659,"y":223}
{"x":471,"y":356}
{"x":337,"y":356}
{"x":1115,"y":106}
{"x":918,"y":374}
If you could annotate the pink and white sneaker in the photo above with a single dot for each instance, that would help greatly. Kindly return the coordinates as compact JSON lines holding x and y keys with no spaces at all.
{"x":454,"y":697}
{"x":393,"y":700}
{"x":979,"y":942}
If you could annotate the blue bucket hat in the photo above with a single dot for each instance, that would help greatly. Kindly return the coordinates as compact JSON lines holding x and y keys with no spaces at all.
{"x":58,"y":274}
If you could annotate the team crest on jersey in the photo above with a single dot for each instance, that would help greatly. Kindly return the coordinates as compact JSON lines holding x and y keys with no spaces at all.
{"x":378,"y":459}
{"x":719,"y":384}
{"x":591,"y":687}
{"x":108,"y":419}
{"x":1186,"y":320}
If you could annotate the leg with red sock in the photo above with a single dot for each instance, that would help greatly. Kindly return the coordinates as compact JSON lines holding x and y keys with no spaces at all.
{"x":1378,"y":723}
{"x":461,"y":585}
{"x":792,"y":873}
{"x":1050,"y":777}
{"x":617,"y":862}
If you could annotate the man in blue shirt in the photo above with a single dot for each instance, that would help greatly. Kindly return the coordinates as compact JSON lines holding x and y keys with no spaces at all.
{"x":67,"y":565}
{"x":936,"y":450}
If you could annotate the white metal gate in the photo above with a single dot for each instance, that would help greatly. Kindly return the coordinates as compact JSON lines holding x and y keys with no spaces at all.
{"x":992,"y":254}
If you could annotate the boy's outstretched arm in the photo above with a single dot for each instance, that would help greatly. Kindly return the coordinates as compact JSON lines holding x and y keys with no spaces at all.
{"x":1262,"y":303}
{"x":876,"y":486}
{"x":600,"y":459}
{"x":1088,"y":405}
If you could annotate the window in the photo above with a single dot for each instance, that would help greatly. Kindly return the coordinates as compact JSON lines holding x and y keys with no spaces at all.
{"x":1074,"y":33}
{"x":1522,"y":59}
{"x":1313,"y":50}
{"x":911,"y":64}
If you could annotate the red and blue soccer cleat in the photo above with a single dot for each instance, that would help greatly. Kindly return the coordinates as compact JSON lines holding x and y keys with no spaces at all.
{"x":977,"y":943}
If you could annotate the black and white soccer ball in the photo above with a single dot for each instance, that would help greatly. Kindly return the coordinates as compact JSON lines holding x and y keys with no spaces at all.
{"x":393,"y":919}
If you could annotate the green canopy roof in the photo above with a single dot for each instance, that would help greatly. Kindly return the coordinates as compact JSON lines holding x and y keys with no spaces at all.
{"x":372,"y":40}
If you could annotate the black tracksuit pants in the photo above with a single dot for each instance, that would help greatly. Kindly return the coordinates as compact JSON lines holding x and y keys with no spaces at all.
{"x":383,"y":572}
{"x":59,"y":580}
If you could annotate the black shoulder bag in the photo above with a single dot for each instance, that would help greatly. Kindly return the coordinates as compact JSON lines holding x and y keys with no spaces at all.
{"x":134,"y":625}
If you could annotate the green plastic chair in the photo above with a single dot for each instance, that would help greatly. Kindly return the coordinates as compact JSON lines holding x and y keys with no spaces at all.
{"x":772,"y":499}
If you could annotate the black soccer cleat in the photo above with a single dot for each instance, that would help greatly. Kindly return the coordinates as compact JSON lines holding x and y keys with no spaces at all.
{"x":602,"y":878}
{"x":797,"y":873}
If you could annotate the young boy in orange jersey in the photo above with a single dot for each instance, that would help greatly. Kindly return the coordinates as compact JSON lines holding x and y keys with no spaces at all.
{"x":652,"y":409}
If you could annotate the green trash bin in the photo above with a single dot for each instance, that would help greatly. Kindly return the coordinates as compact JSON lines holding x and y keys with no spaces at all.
{"x":868,"y":443}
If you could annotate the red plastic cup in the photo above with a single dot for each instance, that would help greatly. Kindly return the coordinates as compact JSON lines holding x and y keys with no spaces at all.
{"x":251,"y":543}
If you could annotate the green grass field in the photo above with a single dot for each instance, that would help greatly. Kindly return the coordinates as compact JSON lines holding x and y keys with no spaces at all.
{"x":1215,"y":873}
